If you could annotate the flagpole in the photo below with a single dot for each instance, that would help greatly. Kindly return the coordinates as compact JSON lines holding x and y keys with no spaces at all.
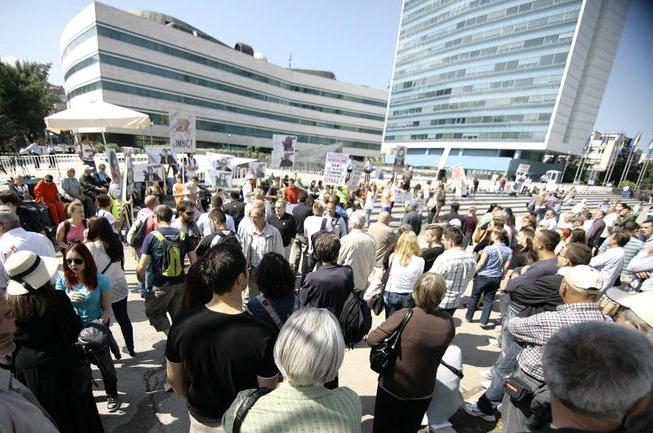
{"x":613,"y":160}
{"x":629,"y":162}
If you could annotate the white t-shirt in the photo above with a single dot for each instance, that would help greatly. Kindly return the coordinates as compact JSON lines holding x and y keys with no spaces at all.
{"x":609,"y":220}
{"x":312,"y":225}
{"x":114,"y":272}
{"x":402,"y":278}
{"x":109,"y":216}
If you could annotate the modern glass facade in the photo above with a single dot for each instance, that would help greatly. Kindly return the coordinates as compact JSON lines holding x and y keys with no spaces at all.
{"x":483,"y":78}
{"x":124,"y":59}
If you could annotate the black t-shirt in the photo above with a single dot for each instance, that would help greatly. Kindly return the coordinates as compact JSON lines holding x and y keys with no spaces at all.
{"x":222,"y":355}
{"x":285,"y":225}
{"x":299,"y":214}
{"x":237,"y":211}
{"x":430,"y":254}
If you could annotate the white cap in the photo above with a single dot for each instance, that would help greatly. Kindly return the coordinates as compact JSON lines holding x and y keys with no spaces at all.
{"x":583,"y":278}
{"x":455,"y":222}
{"x":641,"y":303}
{"x":29,"y":272}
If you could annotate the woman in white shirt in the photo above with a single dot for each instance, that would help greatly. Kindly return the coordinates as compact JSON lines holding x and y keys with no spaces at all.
{"x":313,"y":224}
{"x":109,"y":256}
{"x":406,"y":266}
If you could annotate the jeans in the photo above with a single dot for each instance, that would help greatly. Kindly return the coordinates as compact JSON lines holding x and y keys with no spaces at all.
{"x":368,"y":217}
{"x":120,"y":312}
{"x":504,"y":366}
{"x":397,"y":301}
{"x":102,"y":359}
{"x":487,"y":286}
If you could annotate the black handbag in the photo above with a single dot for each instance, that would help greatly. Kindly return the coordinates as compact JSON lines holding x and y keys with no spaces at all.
{"x":384,"y":355}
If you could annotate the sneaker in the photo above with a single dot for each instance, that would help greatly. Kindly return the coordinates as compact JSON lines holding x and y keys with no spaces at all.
{"x":493,"y":342}
{"x":485,"y":374}
{"x":473,"y":410}
{"x":113,"y":403}
{"x":487,"y":326}
{"x":486,"y":383}
{"x":130,"y":352}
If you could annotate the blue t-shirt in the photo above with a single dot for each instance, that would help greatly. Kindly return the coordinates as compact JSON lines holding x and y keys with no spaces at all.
{"x":497,"y":256}
{"x":90,"y":308}
{"x":155,"y":249}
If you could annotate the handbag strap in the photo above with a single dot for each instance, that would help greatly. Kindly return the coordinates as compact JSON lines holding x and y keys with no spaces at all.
{"x":245,"y":406}
{"x":453,"y":369}
{"x":401,"y":327}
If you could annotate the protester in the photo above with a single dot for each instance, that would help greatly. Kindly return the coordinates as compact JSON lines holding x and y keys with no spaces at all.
{"x":452,"y":215}
{"x":277,"y":299}
{"x":307,"y":360}
{"x":312,"y":225}
{"x":291,"y":192}
{"x":104,"y":204}
{"x":45,"y":359}
{"x":14,"y":238}
{"x":185,"y":223}
{"x":107,"y":251}
{"x":90,"y":293}
{"x":20,"y":408}
{"x":179,"y":189}
{"x":91,"y":189}
{"x":406,"y":266}
{"x":594,"y":390}
{"x":73,"y":228}
{"x":195,"y":293}
{"x":434,"y":247}
{"x":404,"y":394}
{"x":101,"y":176}
{"x":18,"y":188}
{"x":611,"y":262}
{"x":235,"y":208}
{"x":30,"y":218}
{"x":457,"y":268}
{"x":156,"y":190}
{"x":87,"y":151}
{"x":285,"y":223}
{"x":47,"y":194}
{"x":165,"y":248}
{"x":204,"y":224}
{"x":338,"y":224}
{"x":358,"y":250}
{"x":489,"y":271}
{"x":383,"y":235}
{"x":413,"y":217}
{"x":469,"y":224}
{"x":199,"y":369}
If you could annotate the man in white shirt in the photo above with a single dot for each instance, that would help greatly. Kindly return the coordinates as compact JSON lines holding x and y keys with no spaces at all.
{"x":14,"y":238}
{"x":549,"y":222}
{"x":358,"y":250}
{"x":87,"y":151}
{"x":610,"y":220}
{"x":248,"y":189}
{"x":611,"y":262}
{"x":34,"y":149}
{"x":204,"y":222}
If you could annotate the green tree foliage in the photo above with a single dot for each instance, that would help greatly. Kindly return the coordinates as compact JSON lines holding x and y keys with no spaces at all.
{"x":25,"y":100}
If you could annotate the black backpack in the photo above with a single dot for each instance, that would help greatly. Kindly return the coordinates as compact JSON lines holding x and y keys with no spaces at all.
{"x":316,"y":235}
{"x":355,"y":318}
{"x":216,"y":238}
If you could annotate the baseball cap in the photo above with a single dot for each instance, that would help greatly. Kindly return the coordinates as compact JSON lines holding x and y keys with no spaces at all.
{"x":48,"y":177}
{"x":29,"y":272}
{"x":583,"y":278}
{"x":641,"y":303}
{"x":88,"y":167}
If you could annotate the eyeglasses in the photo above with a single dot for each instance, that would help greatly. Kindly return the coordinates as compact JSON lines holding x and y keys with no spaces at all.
{"x":75,"y":261}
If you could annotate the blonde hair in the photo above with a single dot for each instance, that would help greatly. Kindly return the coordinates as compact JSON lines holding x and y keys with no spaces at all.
{"x":407,"y":247}
{"x":318,"y":208}
{"x":71,"y":207}
{"x":429,"y":291}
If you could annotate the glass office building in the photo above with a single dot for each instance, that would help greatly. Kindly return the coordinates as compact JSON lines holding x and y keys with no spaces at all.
{"x":158,"y":64}
{"x":490,"y":84}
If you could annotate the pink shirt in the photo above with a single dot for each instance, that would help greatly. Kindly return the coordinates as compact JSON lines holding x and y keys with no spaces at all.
{"x":75,"y":232}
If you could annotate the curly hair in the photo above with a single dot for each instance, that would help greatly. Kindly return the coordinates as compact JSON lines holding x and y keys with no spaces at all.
{"x":274,"y":276}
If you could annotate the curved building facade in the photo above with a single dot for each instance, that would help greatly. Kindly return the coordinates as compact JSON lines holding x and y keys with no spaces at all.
{"x":155,"y":64}
{"x":492,"y":83}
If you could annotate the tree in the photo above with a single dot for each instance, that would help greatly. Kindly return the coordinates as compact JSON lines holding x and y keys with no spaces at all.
{"x":25,"y":100}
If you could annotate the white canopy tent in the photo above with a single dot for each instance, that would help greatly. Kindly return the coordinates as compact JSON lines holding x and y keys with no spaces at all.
{"x":96,"y":116}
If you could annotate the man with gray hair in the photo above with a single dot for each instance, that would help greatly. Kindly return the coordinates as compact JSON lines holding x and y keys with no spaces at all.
{"x":383,"y":235}
{"x":358,"y":249}
{"x":599,"y":377}
{"x":579,"y":291}
{"x":14,"y":238}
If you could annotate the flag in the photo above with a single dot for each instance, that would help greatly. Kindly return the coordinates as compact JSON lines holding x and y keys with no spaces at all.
{"x":635,"y":141}
{"x":586,"y":147}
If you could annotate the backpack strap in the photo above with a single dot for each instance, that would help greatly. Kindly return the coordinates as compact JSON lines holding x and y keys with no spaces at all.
{"x":323,"y":226}
{"x":453,"y":369}
{"x":270,"y":310}
{"x":66,"y":229}
{"x":157,"y":234}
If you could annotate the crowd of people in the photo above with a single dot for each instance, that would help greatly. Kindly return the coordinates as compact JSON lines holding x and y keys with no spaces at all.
{"x":254,"y":295}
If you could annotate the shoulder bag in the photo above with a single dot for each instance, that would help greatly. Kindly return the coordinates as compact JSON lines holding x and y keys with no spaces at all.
{"x":245,"y":406}
{"x":384,"y":355}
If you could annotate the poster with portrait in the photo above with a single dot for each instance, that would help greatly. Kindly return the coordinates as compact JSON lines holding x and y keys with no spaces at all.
{"x":335,"y":168}
{"x":128,"y":181}
{"x":182,"y":131}
{"x":256,"y":169}
{"x":400,"y":158}
{"x":355,"y":175}
{"x":284,"y":150}
{"x":218,"y":178}
{"x":114,"y":166}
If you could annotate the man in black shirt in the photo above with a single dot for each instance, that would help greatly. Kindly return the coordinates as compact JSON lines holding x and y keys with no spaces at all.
{"x":283,"y":222}
{"x":235,"y":208}
{"x":299,"y":214}
{"x":434,"y":247}
{"x":215,"y":351}
{"x":453,"y":214}
{"x":29,"y":215}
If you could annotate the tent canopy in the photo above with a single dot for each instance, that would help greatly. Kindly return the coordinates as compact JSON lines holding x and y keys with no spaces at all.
{"x":96,"y":115}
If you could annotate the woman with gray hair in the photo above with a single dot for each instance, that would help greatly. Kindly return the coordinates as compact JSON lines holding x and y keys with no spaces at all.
{"x":309,"y":351}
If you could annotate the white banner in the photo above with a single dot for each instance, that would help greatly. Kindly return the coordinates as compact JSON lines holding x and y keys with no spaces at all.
{"x":284,"y":150}
{"x":182,"y":131}
{"x":257,"y":169}
{"x":356,"y":174}
{"x":335,"y":168}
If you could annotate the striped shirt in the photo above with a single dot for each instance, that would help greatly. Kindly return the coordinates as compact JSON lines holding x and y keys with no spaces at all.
{"x":457,"y":268}
{"x":298,"y":410}
{"x":536,"y":331}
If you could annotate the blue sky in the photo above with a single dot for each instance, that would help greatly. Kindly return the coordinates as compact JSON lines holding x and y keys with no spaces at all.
{"x":355,"y":39}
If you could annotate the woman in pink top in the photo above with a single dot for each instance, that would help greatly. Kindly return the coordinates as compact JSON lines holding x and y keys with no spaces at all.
{"x":72,"y":229}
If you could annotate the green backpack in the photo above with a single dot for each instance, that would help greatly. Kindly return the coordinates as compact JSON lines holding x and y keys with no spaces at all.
{"x":173,"y":259}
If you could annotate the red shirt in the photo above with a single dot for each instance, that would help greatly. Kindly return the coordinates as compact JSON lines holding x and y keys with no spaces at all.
{"x":291,"y":194}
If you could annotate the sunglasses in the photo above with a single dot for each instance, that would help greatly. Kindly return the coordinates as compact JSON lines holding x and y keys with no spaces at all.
{"x":75,"y":261}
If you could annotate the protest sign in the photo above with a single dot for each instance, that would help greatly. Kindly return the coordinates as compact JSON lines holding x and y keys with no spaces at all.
{"x":335,"y":168}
